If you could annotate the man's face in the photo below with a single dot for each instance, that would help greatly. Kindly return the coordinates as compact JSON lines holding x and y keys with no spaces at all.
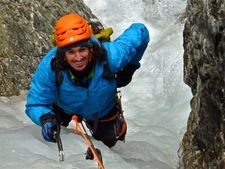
{"x":78,"y":57}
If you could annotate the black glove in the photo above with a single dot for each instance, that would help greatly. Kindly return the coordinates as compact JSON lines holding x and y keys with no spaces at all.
{"x":50,"y":126}
{"x":124,"y":76}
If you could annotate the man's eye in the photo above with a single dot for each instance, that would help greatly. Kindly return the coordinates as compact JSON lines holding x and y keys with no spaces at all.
{"x":70,"y":52}
{"x":82,"y":49}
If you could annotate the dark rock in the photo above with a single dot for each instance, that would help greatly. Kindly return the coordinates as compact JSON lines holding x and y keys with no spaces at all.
{"x":204,"y":71}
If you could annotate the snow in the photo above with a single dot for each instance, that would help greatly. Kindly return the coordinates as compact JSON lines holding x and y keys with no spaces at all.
{"x":156,"y":103}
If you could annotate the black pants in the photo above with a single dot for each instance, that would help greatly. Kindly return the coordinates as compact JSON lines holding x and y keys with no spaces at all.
{"x":108,"y":129}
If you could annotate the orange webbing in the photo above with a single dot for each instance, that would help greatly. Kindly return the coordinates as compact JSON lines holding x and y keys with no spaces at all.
{"x":123,"y":130}
{"x":111,"y":118}
{"x":90,"y":145}
{"x":75,"y":118}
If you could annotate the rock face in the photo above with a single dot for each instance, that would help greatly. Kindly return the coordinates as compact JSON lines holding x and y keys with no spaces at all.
{"x":204,"y":71}
{"x":25,"y":34}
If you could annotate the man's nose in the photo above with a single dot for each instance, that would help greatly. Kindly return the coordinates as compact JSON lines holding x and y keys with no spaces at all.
{"x":78,"y":56}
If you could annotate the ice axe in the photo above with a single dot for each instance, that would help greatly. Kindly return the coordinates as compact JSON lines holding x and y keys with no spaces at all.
{"x":60,"y":147}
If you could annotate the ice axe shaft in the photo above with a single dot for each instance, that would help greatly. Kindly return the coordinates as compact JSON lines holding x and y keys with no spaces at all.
{"x":60,"y":147}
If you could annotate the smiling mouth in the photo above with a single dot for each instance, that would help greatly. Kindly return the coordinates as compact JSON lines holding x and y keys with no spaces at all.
{"x":78,"y":63}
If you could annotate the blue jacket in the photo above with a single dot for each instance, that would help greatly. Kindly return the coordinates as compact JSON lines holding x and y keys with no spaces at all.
{"x":98,"y":99}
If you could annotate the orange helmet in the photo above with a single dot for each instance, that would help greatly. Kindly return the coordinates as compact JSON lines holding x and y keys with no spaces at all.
{"x":70,"y":29}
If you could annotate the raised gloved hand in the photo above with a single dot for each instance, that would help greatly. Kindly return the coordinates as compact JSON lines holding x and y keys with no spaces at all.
{"x":49,"y":126}
{"x":125,"y":75}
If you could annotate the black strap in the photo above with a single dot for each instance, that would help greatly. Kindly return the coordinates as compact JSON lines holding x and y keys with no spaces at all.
{"x":107,"y":74}
{"x":57,"y":68}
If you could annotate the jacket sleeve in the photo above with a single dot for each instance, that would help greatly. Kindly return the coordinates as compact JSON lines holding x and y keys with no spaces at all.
{"x":129,"y":47}
{"x":43,"y":90}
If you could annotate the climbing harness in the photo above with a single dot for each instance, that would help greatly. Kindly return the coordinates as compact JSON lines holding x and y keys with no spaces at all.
{"x":116,"y":117}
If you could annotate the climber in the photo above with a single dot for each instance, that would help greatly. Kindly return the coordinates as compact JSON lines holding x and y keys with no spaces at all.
{"x":80,"y":76}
